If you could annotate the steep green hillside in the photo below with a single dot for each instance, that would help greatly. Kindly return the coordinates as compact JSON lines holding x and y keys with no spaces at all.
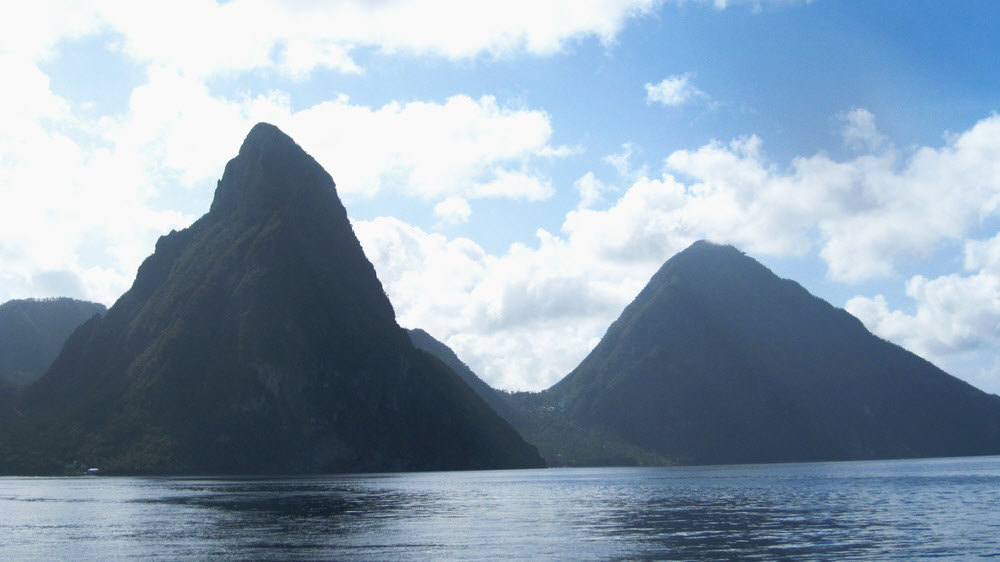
{"x":718,"y":360}
{"x":258,"y":340}
{"x":560,"y":440}
{"x":32,"y":331}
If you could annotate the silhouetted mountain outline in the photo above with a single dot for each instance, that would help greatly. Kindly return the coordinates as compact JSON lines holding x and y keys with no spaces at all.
{"x":258,"y":340}
{"x":493,"y":397}
{"x":560,"y":440}
{"x":718,"y":360}
{"x":32,"y":331}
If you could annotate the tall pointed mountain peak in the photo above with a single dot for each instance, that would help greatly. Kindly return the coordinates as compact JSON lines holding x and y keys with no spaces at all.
{"x":262,"y":133}
{"x":272,"y":171}
{"x":259,"y":340}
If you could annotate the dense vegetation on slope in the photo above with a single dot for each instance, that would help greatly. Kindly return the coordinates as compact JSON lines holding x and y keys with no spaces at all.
{"x":32,"y":331}
{"x":718,"y":360}
{"x":258,"y":340}
{"x":560,"y":440}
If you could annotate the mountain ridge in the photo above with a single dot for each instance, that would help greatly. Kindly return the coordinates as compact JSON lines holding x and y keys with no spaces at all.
{"x":32,"y":332}
{"x":260,"y":340}
{"x":789,"y":376}
{"x":559,"y":440}
{"x":718,"y":360}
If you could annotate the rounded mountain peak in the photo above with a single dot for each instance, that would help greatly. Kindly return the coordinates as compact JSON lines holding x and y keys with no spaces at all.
{"x":705,"y":263}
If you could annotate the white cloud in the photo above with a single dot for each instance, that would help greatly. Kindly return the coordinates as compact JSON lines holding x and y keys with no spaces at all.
{"x":590,"y":189}
{"x":514,"y":185}
{"x":28,"y":103}
{"x":870,"y":211}
{"x":525,"y":318}
{"x":521,"y":320}
{"x":622,"y":162}
{"x":463,"y":148}
{"x":673,"y":91}
{"x":121,"y":179}
{"x":954,"y":313}
{"x":985,"y":378}
{"x":955,"y":316}
{"x":645,"y":226}
{"x":983,"y":255}
{"x":904,"y":211}
{"x":70,"y":218}
{"x":33,"y":29}
{"x":199,"y":38}
{"x":453,"y":210}
{"x":859,"y":130}
{"x":174,"y":123}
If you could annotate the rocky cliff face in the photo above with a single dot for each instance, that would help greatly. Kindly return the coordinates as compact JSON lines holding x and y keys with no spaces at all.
{"x":260,"y":340}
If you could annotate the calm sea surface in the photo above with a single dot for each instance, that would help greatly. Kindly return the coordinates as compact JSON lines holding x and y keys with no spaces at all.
{"x":857,"y":510}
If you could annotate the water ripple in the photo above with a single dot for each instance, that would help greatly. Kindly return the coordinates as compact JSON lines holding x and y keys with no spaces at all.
{"x":847,"y":511}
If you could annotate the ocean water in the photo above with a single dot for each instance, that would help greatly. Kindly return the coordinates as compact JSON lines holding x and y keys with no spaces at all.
{"x":941,"y":508}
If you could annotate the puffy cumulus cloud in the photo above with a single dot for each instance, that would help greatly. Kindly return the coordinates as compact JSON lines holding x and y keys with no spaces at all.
{"x":123,"y":180}
{"x":525,"y":318}
{"x":72,"y":218}
{"x":465,"y":147}
{"x":673,"y":91}
{"x":590,"y":189}
{"x":869,"y":211}
{"x":726,"y":193}
{"x":983,"y":255}
{"x":193,"y":37}
{"x":905,"y":211}
{"x":204,"y":37}
{"x":644,"y":226}
{"x":955,"y":316}
{"x":859,"y":131}
{"x":954,"y":313}
{"x":24,"y":106}
{"x":453,"y":210}
{"x":83,"y":197}
{"x":173,"y":123}
{"x":521,"y":320}
{"x":514,"y":184}
{"x":34,"y":29}
{"x":462,"y":29}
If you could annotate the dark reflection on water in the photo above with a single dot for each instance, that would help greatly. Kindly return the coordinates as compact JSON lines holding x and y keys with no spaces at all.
{"x":869,"y":510}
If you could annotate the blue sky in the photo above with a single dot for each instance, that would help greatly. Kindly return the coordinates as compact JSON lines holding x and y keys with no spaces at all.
{"x":516,"y":172}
